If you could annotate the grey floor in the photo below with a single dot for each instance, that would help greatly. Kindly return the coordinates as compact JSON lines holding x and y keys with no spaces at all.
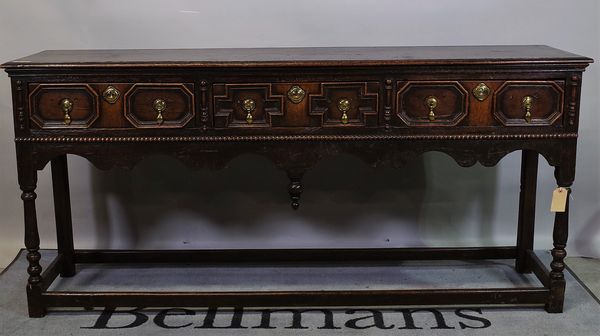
{"x":588,"y":271}
{"x":581,"y":317}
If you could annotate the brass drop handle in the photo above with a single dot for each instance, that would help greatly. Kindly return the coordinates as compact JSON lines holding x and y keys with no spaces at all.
{"x":527,"y":104}
{"x":66,"y":106}
{"x":159,"y":106}
{"x":344,"y":106}
{"x":249,"y":105}
{"x":431,"y":102}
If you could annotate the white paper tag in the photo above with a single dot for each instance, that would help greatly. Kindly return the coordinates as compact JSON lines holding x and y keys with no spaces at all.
{"x":559,"y":200}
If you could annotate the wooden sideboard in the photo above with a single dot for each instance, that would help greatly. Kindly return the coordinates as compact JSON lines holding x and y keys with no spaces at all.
{"x":297,"y":106}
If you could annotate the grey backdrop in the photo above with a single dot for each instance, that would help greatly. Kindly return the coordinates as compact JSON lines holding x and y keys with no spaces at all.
{"x":429,"y":202}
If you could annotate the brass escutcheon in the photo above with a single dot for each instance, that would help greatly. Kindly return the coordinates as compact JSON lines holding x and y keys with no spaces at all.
{"x":66,"y":106}
{"x":431,"y":102}
{"x":111,"y":94}
{"x":159,"y":106}
{"x":296,"y":94}
{"x":344,"y":106}
{"x":249,"y":105}
{"x":481,"y":92}
{"x":527,"y":104}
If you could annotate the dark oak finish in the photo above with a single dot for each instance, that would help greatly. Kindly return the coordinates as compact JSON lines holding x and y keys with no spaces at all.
{"x":527,"y":196}
{"x":301,"y":57}
{"x":296,"y":106}
{"x":452,"y":100}
{"x":179,"y":108}
{"x":438,"y":297}
{"x":548,"y":101}
{"x":294,"y":255}
{"x":45,"y":108}
{"x":62,"y":212}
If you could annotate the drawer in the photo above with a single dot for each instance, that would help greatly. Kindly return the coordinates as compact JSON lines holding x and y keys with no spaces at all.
{"x":247,"y":105}
{"x":103,"y":105}
{"x":431,"y":103}
{"x":165,"y":105}
{"x":523,"y":103}
{"x":345,"y":104}
{"x":63,"y":105}
{"x":336,"y":104}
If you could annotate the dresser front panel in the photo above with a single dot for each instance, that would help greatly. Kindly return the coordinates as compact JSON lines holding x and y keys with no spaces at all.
{"x":205,"y":104}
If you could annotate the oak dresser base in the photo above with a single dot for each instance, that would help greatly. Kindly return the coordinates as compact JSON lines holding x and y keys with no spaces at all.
{"x":296,"y":107}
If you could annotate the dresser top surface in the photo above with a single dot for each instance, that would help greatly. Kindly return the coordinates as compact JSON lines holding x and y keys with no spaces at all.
{"x":297,"y":57}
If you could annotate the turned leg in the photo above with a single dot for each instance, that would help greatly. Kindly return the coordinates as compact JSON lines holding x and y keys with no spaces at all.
{"x":62,"y":212}
{"x":27,"y":182}
{"x":564,"y":178}
{"x":527,"y":197}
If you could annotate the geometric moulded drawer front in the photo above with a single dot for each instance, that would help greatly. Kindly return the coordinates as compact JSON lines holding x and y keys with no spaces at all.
{"x":63,"y":106}
{"x":343,"y":104}
{"x":519,"y":103}
{"x":295,"y":104}
{"x":431,"y":103}
{"x":159,"y":105}
{"x":247,"y":105}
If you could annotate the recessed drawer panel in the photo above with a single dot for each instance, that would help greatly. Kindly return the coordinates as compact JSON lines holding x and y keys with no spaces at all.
{"x":247,"y":105}
{"x":519,"y":103}
{"x":159,"y":105}
{"x":63,"y":105}
{"x":335,"y":104}
{"x":431,"y":103}
{"x":345,"y":104}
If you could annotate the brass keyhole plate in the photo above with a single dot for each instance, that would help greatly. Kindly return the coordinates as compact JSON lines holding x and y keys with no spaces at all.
{"x":296,"y":94}
{"x":481,"y":92}
{"x":111,"y":94}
